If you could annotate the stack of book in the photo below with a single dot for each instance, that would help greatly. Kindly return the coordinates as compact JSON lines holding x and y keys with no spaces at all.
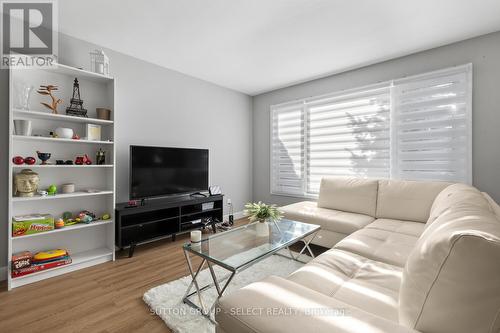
{"x":24,"y":263}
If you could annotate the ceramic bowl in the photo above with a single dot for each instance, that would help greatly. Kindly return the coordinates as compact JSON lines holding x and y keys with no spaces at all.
{"x":64,"y":133}
{"x":43,"y":156}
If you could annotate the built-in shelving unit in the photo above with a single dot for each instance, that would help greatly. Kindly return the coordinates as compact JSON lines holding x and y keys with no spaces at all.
{"x":62,"y":196}
{"x":66,"y":229}
{"x":58,"y":140}
{"x":88,"y":244}
{"x":62,"y":166}
{"x":21,"y":114}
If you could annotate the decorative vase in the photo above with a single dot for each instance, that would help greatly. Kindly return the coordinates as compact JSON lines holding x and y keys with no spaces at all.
{"x":44,"y":157}
{"x":262,"y":228}
{"x":26,"y":183}
{"x":22,"y":127}
{"x":23,"y":94}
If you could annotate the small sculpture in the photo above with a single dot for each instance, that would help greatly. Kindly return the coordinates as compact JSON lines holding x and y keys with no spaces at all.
{"x":26,"y":183}
{"x":52,"y":190}
{"x":47,"y":90}
{"x":83,"y":160}
{"x":100,"y":157}
{"x":76,"y":108}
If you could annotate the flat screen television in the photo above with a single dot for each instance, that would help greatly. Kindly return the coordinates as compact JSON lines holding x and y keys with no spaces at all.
{"x":165,"y":171}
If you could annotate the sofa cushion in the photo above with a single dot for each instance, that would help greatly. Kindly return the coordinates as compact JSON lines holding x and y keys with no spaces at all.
{"x":455,"y":195}
{"x":407,"y":200}
{"x":451,"y":280}
{"x":353,"y":195}
{"x":398,"y":226}
{"x":369,"y":285}
{"x":380,"y":245}
{"x":281,"y":306}
{"x":329,"y":219}
{"x":494,"y":206}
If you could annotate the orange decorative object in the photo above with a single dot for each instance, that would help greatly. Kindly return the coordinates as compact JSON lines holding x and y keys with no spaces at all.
{"x":47,"y":90}
{"x":59,"y":224}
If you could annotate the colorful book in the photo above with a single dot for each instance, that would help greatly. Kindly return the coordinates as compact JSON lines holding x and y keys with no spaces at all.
{"x":40,"y":267}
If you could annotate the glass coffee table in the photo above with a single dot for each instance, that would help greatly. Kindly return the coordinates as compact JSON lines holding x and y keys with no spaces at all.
{"x":239,"y":248}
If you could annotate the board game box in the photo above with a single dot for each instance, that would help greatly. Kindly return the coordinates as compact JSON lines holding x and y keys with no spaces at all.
{"x":31,"y":224}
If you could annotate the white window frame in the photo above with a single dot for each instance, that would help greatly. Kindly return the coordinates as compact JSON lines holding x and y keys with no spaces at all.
{"x":467,"y":68}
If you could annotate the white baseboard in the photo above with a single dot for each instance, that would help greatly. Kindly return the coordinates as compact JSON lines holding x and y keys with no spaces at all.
{"x":237,"y":215}
{"x":3,"y":273}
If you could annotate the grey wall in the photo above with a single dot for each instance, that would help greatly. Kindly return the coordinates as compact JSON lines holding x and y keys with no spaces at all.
{"x":483,"y":52}
{"x":158,"y":106}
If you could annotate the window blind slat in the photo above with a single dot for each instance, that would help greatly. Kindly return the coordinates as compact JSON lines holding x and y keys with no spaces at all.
{"x":413,"y":128}
{"x":432,"y":127}
{"x":287,"y":132}
{"x":348,"y":135}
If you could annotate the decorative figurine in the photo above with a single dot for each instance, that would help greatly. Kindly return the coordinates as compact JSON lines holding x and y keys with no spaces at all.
{"x":99,"y":62}
{"x":52,"y":190}
{"x":67,"y":216}
{"x":59,"y":223}
{"x":44,"y":157}
{"x":30,"y":160}
{"x":100,"y":158}
{"x":26,"y":183}
{"x":76,"y":107}
{"x":18,"y":160}
{"x":81,"y":160}
{"x":47,"y":90}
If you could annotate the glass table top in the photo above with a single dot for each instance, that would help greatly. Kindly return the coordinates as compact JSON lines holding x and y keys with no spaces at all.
{"x":242,"y":246}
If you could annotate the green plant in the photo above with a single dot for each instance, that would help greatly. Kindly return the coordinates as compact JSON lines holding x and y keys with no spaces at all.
{"x":260,"y":211}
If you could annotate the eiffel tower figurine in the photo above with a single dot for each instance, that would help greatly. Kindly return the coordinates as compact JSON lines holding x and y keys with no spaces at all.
{"x":76,"y":106}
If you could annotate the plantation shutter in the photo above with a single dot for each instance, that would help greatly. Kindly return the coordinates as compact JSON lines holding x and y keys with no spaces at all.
{"x":287,"y":149}
{"x":348,"y":135}
{"x":431,"y":122}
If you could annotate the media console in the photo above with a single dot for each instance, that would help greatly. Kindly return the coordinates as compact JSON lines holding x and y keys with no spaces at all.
{"x":162,"y":218}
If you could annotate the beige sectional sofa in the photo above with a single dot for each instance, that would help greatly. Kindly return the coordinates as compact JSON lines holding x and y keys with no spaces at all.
{"x":407,"y":257}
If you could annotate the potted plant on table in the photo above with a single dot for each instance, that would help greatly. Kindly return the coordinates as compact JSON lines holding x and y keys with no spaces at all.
{"x":263,"y":213}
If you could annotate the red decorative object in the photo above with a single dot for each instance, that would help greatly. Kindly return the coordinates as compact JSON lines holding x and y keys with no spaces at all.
{"x":30,"y":160}
{"x":76,"y":137}
{"x":80,"y":160}
{"x":17,"y":160}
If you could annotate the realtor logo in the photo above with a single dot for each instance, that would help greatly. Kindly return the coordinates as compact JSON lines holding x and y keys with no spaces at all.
{"x":29,"y":33}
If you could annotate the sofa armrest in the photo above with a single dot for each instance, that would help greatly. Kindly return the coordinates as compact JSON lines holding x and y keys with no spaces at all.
{"x":281,"y":306}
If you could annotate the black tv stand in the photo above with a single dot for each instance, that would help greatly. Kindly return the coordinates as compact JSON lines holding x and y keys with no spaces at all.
{"x":162,"y":218}
{"x":198,"y":195}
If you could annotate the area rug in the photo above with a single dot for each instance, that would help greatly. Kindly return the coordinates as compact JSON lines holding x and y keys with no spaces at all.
{"x":165,"y":300}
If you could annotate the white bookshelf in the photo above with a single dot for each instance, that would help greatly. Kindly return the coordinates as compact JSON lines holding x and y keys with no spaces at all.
{"x":88,"y":244}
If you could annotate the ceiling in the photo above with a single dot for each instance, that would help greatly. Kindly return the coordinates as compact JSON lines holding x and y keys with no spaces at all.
{"x":254,"y":46}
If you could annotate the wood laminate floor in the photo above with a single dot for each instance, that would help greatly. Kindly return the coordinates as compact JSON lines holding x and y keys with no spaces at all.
{"x":105,"y":298}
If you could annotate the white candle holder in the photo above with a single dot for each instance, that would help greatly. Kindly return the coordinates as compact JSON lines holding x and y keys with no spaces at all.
{"x":195,"y":236}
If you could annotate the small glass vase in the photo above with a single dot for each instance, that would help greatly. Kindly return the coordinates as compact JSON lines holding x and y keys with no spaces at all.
{"x":23,"y":94}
